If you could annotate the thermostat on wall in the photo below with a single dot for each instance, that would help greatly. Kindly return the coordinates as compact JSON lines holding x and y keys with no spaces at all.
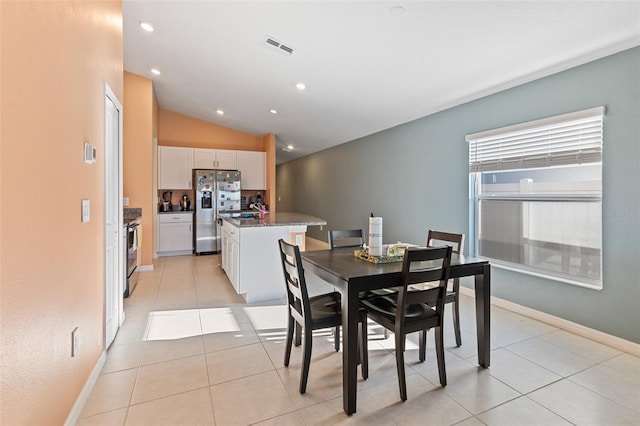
{"x":89,"y":153}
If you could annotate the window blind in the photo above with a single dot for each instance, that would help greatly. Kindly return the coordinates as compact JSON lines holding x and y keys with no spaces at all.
{"x":574,"y":138}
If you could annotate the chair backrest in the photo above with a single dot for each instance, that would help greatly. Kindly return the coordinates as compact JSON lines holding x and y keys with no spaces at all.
{"x":345,"y":238}
{"x":296,"y":285}
{"x":423,"y":264}
{"x":434,"y":238}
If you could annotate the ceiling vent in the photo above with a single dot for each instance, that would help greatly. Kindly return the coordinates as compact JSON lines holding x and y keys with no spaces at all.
{"x":272,"y":43}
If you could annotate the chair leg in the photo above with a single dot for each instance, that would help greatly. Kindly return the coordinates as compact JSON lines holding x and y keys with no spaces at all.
{"x":402,"y":382}
{"x":364,"y":348}
{"x":422,"y":349}
{"x":298,"y":340}
{"x":440,"y":354}
{"x":287,"y":348}
{"x":306,"y":360}
{"x":456,"y":315}
{"x":336,"y":339}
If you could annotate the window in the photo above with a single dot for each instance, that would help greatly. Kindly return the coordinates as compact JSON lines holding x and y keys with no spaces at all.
{"x":536,"y":197}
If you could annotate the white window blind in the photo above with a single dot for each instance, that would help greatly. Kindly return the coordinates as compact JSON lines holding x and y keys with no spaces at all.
{"x":574,"y":138}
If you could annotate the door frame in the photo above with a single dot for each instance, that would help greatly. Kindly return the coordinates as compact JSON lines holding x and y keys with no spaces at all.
{"x":108,"y":203}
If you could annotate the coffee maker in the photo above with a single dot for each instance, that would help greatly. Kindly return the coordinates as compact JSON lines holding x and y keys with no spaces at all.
{"x":185,"y":203}
{"x":165,"y":205}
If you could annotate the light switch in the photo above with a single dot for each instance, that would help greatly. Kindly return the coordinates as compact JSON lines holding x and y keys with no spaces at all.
{"x":125,"y":201}
{"x":86,"y":211}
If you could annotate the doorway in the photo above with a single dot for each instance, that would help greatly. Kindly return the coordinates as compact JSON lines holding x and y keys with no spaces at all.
{"x":114,"y":234}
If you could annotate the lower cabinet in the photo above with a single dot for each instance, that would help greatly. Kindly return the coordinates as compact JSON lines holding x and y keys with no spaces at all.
{"x":175,"y":233}
{"x":230,"y":260}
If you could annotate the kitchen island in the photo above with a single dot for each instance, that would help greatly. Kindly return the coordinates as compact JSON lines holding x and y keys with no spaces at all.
{"x":250,"y":256}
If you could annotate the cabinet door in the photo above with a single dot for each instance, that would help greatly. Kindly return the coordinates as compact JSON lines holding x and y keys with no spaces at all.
{"x":253,"y":169}
{"x":175,"y":237}
{"x":174,"y":167}
{"x":226,"y":159}
{"x":204,"y":158}
{"x":224,"y":255}
{"x":234,"y":260}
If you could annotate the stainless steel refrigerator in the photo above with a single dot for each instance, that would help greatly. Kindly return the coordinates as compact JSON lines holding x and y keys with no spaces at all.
{"x":217,"y":195}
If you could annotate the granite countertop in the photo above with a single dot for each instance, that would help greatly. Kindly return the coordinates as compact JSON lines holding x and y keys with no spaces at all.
{"x":177,"y":211}
{"x":131,"y":214}
{"x":276,"y":219}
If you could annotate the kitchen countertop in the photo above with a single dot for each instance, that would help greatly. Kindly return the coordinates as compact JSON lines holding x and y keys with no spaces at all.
{"x":276,"y":219}
{"x":177,"y":211}
{"x":131,"y":214}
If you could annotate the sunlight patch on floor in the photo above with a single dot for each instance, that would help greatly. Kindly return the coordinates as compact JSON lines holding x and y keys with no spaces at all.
{"x":180,"y":324}
{"x":273,"y":317}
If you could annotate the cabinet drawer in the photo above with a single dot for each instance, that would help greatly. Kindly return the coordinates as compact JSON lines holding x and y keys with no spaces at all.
{"x":175,"y":218}
{"x":232,"y":231}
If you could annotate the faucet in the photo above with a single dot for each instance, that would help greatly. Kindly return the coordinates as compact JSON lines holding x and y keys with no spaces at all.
{"x":261,"y":208}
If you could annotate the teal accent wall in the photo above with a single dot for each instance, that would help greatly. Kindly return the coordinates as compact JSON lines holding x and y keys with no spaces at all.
{"x":416,"y":177}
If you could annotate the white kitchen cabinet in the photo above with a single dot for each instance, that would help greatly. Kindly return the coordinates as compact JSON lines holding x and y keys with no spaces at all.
{"x":215,"y":159}
{"x":231,"y":254}
{"x":175,"y":233}
{"x":253,"y":169}
{"x":175,"y":166}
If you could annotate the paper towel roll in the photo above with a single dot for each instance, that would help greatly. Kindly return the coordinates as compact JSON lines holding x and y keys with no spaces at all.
{"x":375,"y":236}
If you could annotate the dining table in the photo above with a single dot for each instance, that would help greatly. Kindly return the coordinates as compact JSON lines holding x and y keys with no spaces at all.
{"x":351,"y":276}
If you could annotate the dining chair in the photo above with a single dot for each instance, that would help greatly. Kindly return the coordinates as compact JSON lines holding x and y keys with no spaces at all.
{"x":312,"y":313}
{"x":408,"y":312}
{"x":342,"y":238}
{"x":346,"y":238}
{"x":435,"y":238}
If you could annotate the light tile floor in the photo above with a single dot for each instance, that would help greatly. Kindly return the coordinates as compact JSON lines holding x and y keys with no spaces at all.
{"x":191,"y":352}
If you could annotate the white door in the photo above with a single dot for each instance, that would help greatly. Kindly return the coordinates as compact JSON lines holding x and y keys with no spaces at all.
{"x":114,"y":234}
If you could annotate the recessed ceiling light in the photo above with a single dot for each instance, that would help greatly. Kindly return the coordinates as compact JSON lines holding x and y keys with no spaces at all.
{"x":273,"y":111}
{"x":219,"y":112}
{"x":146,"y":26}
{"x":397,"y":11}
{"x":301,"y":86}
{"x":155,"y":71}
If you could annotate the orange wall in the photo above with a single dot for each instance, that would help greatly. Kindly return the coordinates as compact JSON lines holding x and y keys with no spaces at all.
{"x":55,"y":57}
{"x":181,"y":130}
{"x":138,"y":128}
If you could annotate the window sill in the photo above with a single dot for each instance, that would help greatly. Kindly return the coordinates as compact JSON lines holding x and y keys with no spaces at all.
{"x":590,"y":284}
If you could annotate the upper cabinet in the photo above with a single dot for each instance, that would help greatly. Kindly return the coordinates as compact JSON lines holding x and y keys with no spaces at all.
{"x":175,"y":166}
{"x":253,"y":169}
{"x":215,"y":159}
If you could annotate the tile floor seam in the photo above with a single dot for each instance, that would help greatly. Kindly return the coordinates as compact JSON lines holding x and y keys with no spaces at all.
{"x":637,"y":410}
{"x":578,"y":353}
{"x":562,"y":375}
{"x":528,"y":360}
{"x":167,"y":396}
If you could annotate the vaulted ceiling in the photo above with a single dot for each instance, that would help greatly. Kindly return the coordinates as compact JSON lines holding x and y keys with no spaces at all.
{"x":367,"y":65}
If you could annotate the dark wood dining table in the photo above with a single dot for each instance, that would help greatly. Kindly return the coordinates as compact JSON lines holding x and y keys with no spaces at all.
{"x":351,"y":276}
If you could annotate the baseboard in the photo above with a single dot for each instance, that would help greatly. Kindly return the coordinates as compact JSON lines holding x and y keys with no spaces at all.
{"x":175,"y":253}
{"x":581,"y":330}
{"x":81,"y":401}
{"x":143,"y":268}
